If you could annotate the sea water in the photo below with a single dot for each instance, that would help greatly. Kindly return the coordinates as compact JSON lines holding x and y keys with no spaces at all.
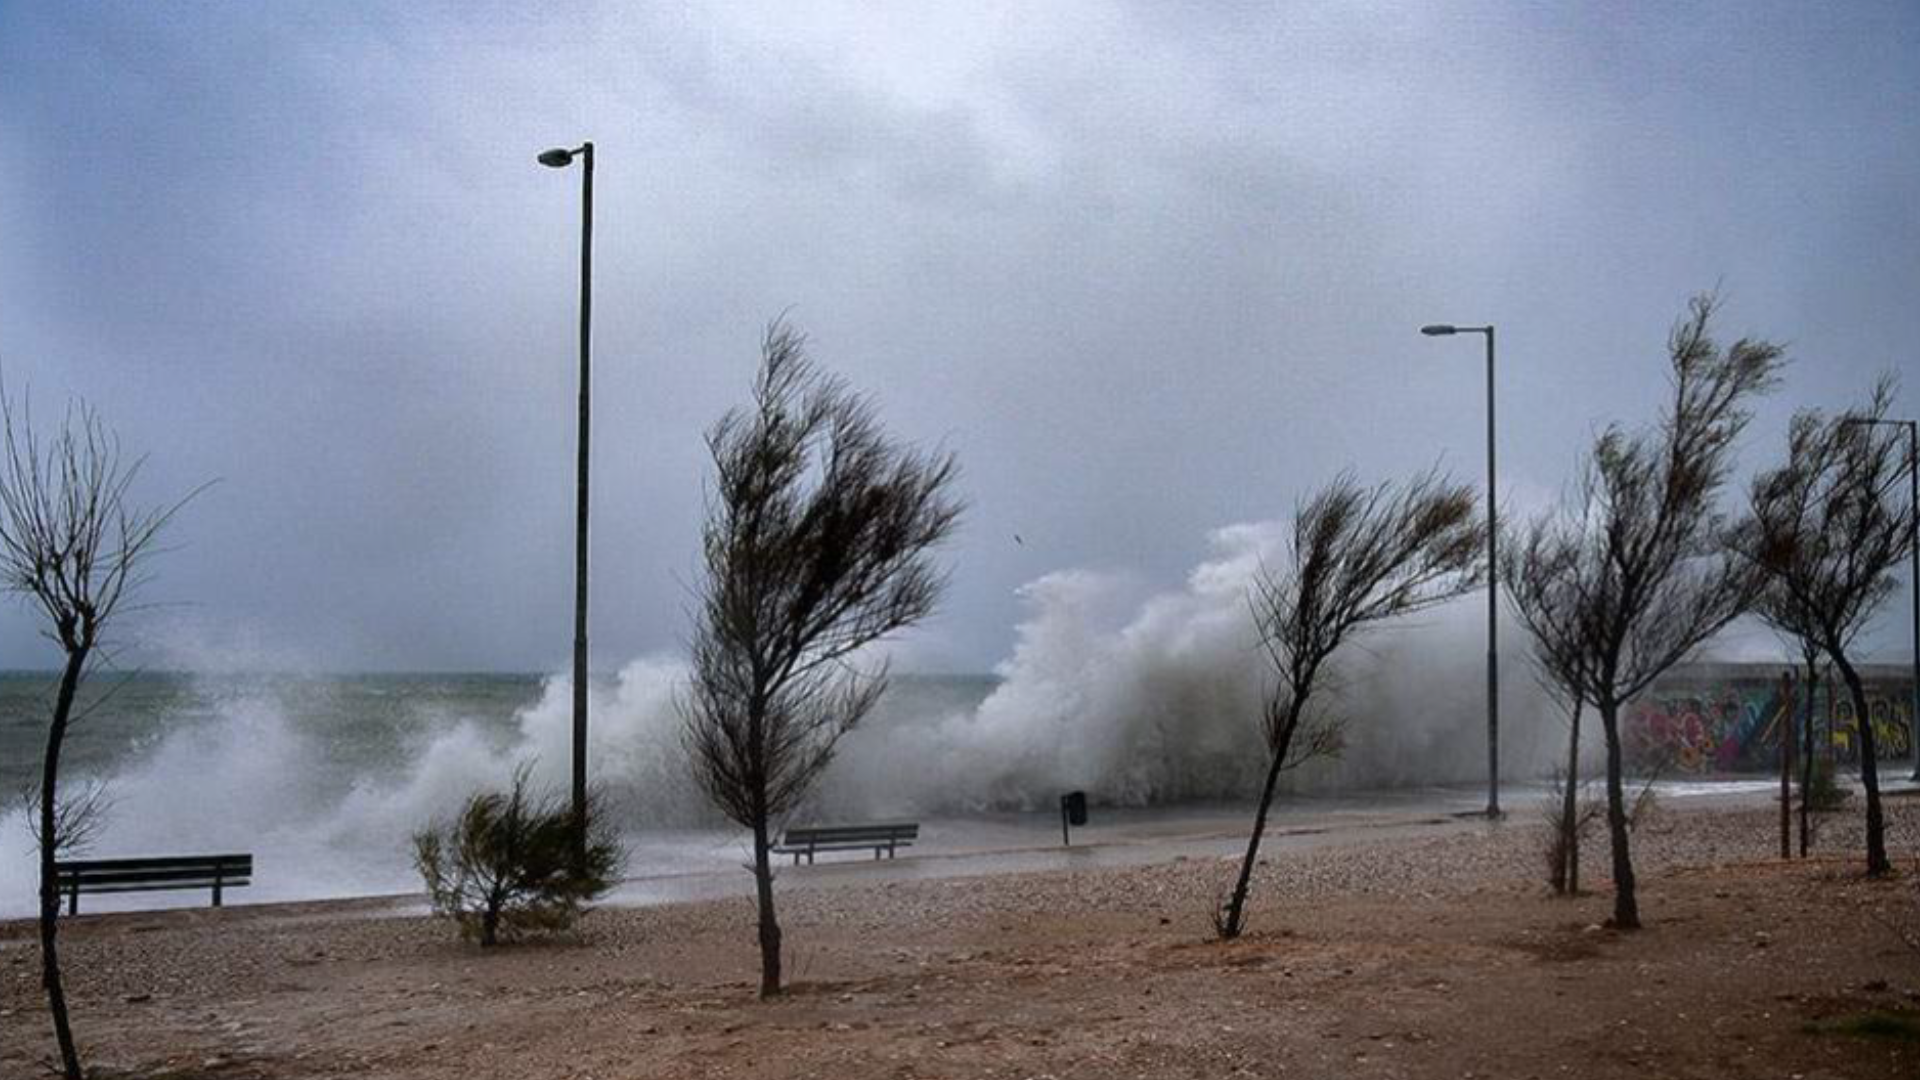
{"x":324,"y":777}
{"x":1145,"y":699}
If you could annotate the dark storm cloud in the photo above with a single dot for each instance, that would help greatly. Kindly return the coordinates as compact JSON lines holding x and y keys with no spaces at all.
{"x":1149,"y":269}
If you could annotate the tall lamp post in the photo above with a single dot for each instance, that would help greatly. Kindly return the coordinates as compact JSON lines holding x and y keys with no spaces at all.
{"x":560,"y":159}
{"x":1493,"y":576}
{"x":1913,"y":545}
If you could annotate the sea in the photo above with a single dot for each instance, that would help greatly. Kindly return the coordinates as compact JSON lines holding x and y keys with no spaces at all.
{"x":1147,"y":699}
{"x":1149,"y":704}
{"x":324,"y":777}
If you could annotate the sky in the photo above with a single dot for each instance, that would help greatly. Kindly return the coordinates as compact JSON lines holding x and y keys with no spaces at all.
{"x":1148,"y":270}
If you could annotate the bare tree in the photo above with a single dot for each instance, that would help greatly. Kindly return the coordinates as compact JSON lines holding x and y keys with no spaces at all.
{"x":1652,"y":574}
{"x":1830,"y":539}
{"x":73,"y":547}
{"x":1359,"y":556}
{"x":818,"y":543}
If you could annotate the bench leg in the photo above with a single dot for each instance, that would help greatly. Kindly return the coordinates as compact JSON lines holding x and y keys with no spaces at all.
{"x":73,"y":900}
{"x":216,"y":890}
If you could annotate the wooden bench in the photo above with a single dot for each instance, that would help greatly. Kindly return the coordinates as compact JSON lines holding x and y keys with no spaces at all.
{"x":815,"y":838}
{"x":216,"y":872}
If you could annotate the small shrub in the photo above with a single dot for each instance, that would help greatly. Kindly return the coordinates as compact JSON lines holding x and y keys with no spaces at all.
{"x":1221,"y":916}
{"x":1561,"y":844}
{"x":1646,"y":805}
{"x":1824,"y":794}
{"x":504,"y":865}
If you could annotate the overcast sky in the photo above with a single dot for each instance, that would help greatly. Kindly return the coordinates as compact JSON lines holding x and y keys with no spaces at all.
{"x":1148,"y":269}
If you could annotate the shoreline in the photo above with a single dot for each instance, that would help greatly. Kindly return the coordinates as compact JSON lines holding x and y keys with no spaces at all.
{"x":1433,"y":953}
{"x":1009,"y":843}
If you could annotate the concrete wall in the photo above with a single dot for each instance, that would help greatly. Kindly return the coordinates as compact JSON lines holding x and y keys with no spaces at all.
{"x":1727,"y":718}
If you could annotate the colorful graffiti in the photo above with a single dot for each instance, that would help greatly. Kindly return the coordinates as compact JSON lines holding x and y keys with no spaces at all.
{"x":1892,"y":728}
{"x":1728,"y":718}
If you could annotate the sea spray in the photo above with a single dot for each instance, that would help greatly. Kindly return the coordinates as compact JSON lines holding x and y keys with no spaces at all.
{"x":1160,"y":704}
{"x":1138,"y":700}
{"x":326,"y":777}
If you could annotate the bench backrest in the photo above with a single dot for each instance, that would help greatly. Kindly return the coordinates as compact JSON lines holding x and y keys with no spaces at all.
{"x":852,"y":834}
{"x":175,"y":871}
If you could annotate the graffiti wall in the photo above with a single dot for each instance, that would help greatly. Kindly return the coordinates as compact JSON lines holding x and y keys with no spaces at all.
{"x":1729,"y":718}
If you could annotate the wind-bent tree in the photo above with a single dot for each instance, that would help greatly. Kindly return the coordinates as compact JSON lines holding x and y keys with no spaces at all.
{"x":1544,"y":586}
{"x":1830,"y":538}
{"x":1655,"y":574}
{"x":1359,"y":556}
{"x":72,"y":545}
{"x":818,"y":543}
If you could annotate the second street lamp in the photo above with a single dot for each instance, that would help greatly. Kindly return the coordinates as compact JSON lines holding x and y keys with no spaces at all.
{"x":560,"y":159}
{"x":1493,"y":576}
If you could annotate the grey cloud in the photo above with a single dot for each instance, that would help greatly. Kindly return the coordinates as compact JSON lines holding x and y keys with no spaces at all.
{"x":1148,"y":273}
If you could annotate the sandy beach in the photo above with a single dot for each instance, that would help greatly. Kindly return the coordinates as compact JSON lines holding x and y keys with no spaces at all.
{"x":1415,"y":953}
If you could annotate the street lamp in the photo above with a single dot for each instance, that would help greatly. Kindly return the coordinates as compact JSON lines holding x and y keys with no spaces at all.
{"x":1913,"y":545}
{"x":560,"y":159}
{"x":1493,"y":577}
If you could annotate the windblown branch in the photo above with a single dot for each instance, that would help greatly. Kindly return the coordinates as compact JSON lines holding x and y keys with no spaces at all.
{"x":819,"y":542}
{"x":1637,"y":568}
{"x":1828,"y":538}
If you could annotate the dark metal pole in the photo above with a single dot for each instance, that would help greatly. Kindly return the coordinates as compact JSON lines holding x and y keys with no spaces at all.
{"x":580,"y":522}
{"x":1493,"y":604}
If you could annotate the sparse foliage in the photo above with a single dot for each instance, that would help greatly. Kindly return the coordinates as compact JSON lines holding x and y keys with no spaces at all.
{"x":1571,"y":812}
{"x":73,"y":546}
{"x":1359,"y":556}
{"x":1219,"y":915}
{"x":78,"y":818}
{"x":1820,"y":791}
{"x":1829,"y":537}
{"x":504,"y":866}
{"x":1810,"y":662}
{"x":1544,"y":593}
{"x":818,"y":543}
{"x":1635,"y":570}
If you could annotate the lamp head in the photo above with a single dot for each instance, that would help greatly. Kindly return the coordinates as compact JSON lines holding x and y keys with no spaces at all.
{"x":1439,"y":330}
{"x":556,"y":158}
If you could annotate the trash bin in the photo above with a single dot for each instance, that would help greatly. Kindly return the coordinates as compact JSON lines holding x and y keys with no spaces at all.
{"x":1074,"y":805}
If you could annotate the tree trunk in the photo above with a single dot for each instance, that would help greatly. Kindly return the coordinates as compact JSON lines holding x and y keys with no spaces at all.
{"x":49,"y":849}
{"x":1786,"y":766}
{"x":490,"y":923}
{"x":1570,"y":809}
{"x":1877,"y":863}
{"x":1237,"y":906}
{"x":1626,"y":909}
{"x":769,"y":926}
{"x":1806,"y":764}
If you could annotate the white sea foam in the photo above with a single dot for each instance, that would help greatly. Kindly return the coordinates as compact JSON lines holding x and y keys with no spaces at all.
{"x":1159,"y":704}
{"x":1138,"y":702}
